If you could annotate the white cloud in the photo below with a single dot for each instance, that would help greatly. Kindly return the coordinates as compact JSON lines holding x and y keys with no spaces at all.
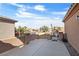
{"x":0,"y":5}
{"x":24,"y":8}
{"x":24,"y":14}
{"x":36,"y":23}
{"x":59,"y":12}
{"x":35,"y":20}
{"x":17,"y":5}
{"x":20,"y":7}
{"x":66,"y":8}
{"x":40,"y":8}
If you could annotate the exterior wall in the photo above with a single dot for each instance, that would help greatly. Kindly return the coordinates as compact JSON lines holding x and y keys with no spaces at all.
{"x":72,"y":30}
{"x":6,"y":30}
{"x":72,"y":12}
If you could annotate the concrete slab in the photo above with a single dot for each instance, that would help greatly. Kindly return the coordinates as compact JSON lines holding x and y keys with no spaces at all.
{"x":52,"y":49}
{"x":40,"y":47}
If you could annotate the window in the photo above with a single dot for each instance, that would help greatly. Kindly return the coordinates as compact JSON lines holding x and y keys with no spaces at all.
{"x":77,"y":17}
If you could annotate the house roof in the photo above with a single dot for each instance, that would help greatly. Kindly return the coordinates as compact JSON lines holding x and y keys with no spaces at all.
{"x":72,"y":7}
{"x":5,"y":19}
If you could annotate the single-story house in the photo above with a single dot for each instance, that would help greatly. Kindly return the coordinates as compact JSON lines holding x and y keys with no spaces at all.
{"x":7,"y":31}
{"x":7,"y":28}
{"x":71,"y":23}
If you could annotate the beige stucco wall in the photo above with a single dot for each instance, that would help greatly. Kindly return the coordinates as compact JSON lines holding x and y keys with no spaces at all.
{"x":72,"y":30}
{"x":6,"y":30}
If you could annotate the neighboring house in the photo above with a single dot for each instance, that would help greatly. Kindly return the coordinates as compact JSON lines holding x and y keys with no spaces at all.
{"x":71,"y":21}
{"x":7,"y":31}
{"x":7,"y":28}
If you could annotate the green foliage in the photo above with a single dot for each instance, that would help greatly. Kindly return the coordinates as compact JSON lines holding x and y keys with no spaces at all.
{"x":22,"y":30}
{"x":57,"y":28}
{"x":44,"y":28}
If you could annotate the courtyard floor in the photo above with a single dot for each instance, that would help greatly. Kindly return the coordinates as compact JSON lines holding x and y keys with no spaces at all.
{"x":39,"y":47}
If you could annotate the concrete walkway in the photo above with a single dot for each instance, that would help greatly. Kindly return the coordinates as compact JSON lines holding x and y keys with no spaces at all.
{"x":40,"y":47}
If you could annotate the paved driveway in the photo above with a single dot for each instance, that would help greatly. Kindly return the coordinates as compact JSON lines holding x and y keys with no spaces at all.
{"x":40,"y":47}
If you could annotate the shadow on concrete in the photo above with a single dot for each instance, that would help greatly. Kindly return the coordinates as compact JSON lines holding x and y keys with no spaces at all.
{"x":27,"y":38}
{"x":5,"y":47}
{"x":71,"y":50}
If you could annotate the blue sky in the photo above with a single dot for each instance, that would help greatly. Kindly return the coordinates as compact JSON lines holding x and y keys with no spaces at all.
{"x":35,"y":15}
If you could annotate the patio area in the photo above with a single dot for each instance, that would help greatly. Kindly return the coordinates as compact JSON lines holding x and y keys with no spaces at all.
{"x":39,"y":47}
